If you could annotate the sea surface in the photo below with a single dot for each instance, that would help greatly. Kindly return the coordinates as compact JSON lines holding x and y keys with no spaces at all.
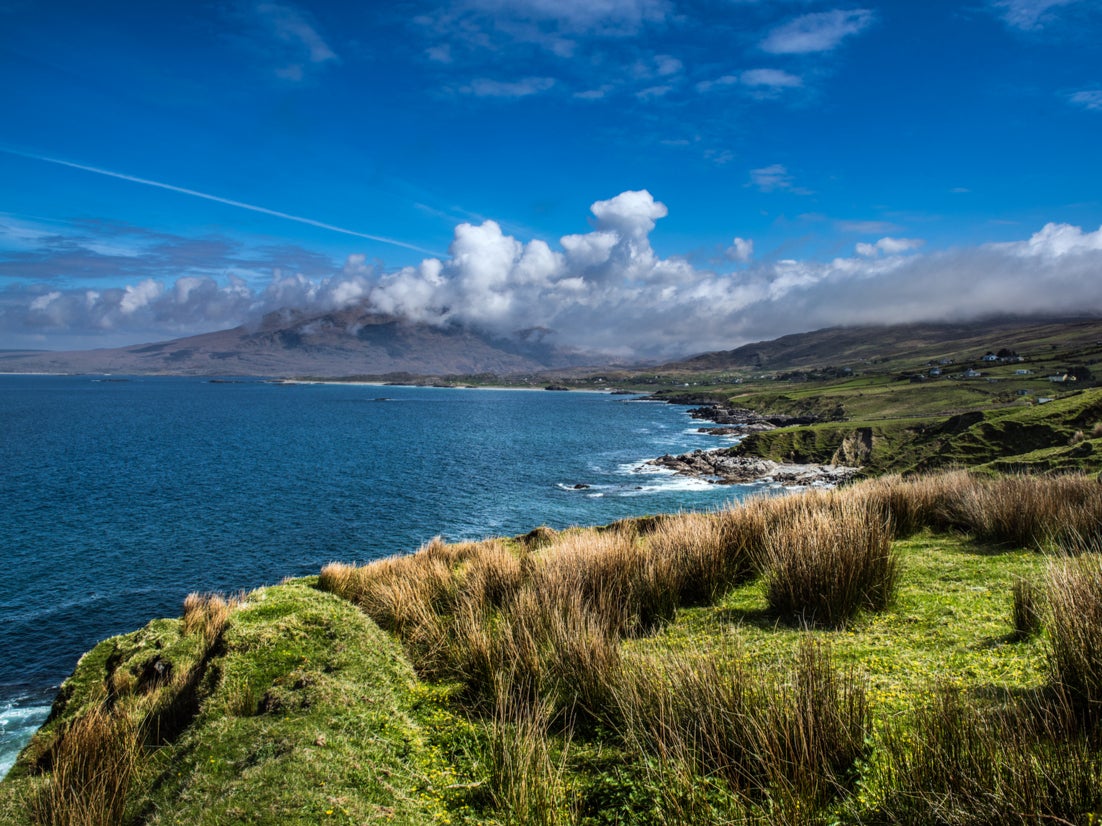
{"x":118,"y":497}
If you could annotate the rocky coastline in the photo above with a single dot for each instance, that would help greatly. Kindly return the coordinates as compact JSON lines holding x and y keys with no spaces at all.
{"x":721,"y":467}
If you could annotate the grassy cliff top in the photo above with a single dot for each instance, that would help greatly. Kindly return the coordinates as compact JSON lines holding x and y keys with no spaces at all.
{"x":902,"y":651}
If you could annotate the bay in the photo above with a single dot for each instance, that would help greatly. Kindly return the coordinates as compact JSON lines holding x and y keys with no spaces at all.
{"x":119,"y":496}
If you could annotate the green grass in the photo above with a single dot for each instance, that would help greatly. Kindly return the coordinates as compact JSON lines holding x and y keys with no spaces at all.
{"x":307,"y":713}
{"x":300,"y":709}
{"x":951,"y":619}
{"x":1038,"y":438}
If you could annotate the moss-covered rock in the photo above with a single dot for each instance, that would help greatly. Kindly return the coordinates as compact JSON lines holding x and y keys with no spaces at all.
{"x":300,"y":710}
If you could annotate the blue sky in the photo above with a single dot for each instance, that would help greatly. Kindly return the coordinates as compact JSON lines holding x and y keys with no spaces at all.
{"x":641,"y":177}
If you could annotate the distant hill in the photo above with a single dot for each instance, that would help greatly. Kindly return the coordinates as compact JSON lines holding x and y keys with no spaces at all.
{"x":352,"y":341}
{"x":883,"y":344}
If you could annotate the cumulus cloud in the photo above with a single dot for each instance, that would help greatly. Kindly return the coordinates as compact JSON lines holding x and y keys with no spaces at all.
{"x":889,"y":246}
{"x":604,"y":290}
{"x":608,"y":291}
{"x":816,"y":32}
{"x":741,"y":250}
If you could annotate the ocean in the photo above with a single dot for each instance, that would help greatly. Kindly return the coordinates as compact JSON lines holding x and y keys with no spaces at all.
{"x":119,"y":496}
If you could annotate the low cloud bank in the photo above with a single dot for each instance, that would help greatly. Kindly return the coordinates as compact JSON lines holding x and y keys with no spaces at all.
{"x":607,"y":290}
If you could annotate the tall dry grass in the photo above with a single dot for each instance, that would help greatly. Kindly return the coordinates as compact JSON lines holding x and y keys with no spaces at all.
{"x":789,"y":742}
{"x":93,"y":763}
{"x":918,"y":502}
{"x":1027,"y":608}
{"x":703,"y":555}
{"x":207,"y":615}
{"x":824,"y":565}
{"x":961,"y":763}
{"x":527,"y":772}
{"x":1031,"y":510}
{"x":1074,"y":643}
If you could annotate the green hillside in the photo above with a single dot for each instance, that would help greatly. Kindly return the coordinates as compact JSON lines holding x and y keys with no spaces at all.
{"x":898,"y":652}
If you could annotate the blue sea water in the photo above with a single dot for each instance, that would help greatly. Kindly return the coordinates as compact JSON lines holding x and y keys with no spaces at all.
{"x":119,"y":497}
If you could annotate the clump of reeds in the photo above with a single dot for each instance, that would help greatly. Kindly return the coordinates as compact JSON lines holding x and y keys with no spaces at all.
{"x":206,"y":615}
{"x":957,"y":762}
{"x":1028,"y":608}
{"x":704,"y":554}
{"x":527,"y":777}
{"x":917,"y":502}
{"x":824,"y":565}
{"x":1074,"y":594}
{"x":1031,"y":510}
{"x":92,"y":765}
{"x":788,"y":741}
{"x":615,"y":578}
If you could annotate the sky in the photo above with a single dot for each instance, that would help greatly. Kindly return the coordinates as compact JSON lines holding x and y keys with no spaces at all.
{"x":642,"y":178}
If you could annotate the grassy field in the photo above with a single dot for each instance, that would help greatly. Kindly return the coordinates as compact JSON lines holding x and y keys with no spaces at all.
{"x":1062,"y":435}
{"x":901,"y":651}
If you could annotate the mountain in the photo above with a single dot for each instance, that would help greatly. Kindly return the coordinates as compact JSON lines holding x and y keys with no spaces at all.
{"x":351,"y":341}
{"x":908,"y":343}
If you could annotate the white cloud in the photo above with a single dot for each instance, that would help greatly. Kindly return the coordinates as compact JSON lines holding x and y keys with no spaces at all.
{"x":717,"y":83}
{"x":606,"y":289}
{"x":441,"y":53}
{"x":816,"y":32}
{"x":889,"y":246}
{"x":594,"y":94}
{"x":1055,"y":241}
{"x":773,"y":178}
{"x":140,"y":295}
{"x":1029,"y":15}
{"x":741,"y":250}
{"x":654,"y":92}
{"x":769,"y":80}
{"x":487,"y":88}
{"x":773,"y":78}
{"x":1089,"y":99}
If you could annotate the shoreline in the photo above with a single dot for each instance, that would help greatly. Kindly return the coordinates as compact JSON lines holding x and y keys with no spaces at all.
{"x":718,"y":466}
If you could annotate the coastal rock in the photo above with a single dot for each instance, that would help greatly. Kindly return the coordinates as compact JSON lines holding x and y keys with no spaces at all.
{"x":723,"y":414}
{"x":736,"y":430}
{"x":720,"y":467}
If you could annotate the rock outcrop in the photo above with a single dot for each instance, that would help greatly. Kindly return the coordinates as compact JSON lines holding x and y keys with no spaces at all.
{"x":720,"y":467}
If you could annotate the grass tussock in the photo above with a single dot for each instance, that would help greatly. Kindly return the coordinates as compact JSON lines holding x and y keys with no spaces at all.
{"x":1028,"y":608}
{"x":1074,"y":596}
{"x":1028,"y":510}
{"x":207,"y":614}
{"x":92,"y":766}
{"x":527,"y":770}
{"x":825,"y":565}
{"x":962,"y":762}
{"x":788,"y":741}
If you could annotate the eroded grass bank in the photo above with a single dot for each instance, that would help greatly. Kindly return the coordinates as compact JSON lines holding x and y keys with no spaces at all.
{"x":902,"y":651}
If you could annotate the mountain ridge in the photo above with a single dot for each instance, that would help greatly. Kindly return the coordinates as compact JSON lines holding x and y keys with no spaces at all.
{"x":353,"y":340}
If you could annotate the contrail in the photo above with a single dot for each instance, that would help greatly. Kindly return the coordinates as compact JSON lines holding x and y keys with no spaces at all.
{"x":227,"y":201}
